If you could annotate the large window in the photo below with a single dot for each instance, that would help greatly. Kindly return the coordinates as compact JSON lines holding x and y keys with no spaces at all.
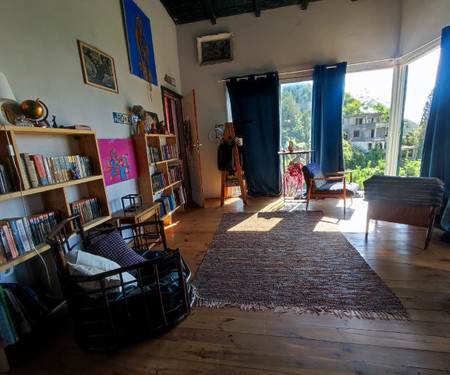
{"x":296,"y":102}
{"x":419,"y":93}
{"x":366,"y":119}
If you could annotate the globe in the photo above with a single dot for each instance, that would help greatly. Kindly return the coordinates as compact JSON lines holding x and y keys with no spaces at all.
{"x":32,"y":109}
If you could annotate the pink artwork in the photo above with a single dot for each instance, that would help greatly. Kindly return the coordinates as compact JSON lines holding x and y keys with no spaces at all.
{"x":118,"y":160}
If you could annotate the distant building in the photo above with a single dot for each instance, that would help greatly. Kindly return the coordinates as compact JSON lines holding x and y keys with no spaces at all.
{"x":366,"y":131}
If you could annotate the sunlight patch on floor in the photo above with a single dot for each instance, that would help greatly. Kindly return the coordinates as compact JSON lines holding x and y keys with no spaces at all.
{"x":264,"y":225}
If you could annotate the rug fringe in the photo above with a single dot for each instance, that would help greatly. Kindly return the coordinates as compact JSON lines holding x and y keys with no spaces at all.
{"x":358,"y":313}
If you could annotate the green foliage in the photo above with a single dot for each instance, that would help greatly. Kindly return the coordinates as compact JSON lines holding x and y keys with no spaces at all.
{"x":352,"y":106}
{"x":410,"y":168}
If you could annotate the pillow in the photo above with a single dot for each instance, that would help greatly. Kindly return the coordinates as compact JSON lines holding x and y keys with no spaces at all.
{"x":115,"y":248}
{"x":80,"y":263}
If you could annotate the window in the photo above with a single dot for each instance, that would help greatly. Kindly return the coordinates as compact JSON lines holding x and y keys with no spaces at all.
{"x":355,"y":133}
{"x":419,"y":93}
{"x":372,"y":133}
{"x":296,"y":105}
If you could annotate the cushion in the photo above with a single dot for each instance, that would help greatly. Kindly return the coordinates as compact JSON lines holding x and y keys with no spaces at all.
{"x":312,"y":170}
{"x":115,"y":248}
{"x":338,"y":187}
{"x":80,"y":263}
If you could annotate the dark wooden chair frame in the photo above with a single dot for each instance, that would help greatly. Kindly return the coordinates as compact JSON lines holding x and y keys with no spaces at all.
{"x":334,"y":176}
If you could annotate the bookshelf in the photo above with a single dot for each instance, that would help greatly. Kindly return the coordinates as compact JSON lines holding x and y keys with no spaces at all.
{"x":160,"y":170}
{"x":59,"y":195}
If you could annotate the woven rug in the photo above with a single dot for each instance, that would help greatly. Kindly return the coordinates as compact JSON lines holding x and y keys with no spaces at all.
{"x":290,"y":261}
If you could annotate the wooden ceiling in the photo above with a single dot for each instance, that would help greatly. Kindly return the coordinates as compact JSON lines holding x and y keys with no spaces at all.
{"x":186,"y":11}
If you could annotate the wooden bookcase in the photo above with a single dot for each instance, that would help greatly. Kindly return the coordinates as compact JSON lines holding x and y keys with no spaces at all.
{"x":143,"y":143}
{"x":55,"y":196}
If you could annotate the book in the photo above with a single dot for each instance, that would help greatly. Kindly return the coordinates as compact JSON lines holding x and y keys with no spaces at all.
{"x":8,"y":314}
{"x":47,"y":167}
{"x":16,"y":236}
{"x":26,"y":181}
{"x":23,"y":235}
{"x":10,"y":247}
{"x":38,"y":161}
{"x":6,"y":333}
{"x":17,"y":312}
{"x":30,"y":169}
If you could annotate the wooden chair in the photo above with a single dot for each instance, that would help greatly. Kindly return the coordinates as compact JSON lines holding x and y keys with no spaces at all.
{"x":333,"y":186}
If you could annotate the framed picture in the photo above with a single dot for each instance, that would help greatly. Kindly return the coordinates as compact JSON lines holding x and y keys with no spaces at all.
{"x":140,"y":43}
{"x":152,"y":123}
{"x":214,"y":49}
{"x":98,"y":68}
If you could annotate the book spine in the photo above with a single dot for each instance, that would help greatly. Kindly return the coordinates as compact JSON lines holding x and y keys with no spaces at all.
{"x":47,"y":167}
{"x":23,"y":235}
{"x":31,"y":170}
{"x":8,"y":314}
{"x":40,"y":169}
{"x":26,"y":225}
{"x":16,"y":236}
{"x":26,"y":181}
{"x":6,"y":333}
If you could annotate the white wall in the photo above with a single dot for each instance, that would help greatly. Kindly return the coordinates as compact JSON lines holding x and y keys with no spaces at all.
{"x":283,"y":39}
{"x":39,"y":56}
{"x":422,"y":21}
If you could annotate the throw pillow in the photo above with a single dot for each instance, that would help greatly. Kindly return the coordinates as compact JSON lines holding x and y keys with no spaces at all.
{"x":115,"y":248}
{"x":80,"y":263}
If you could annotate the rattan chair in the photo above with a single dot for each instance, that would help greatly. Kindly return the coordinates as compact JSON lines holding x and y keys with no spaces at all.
{"x":107,"y":317}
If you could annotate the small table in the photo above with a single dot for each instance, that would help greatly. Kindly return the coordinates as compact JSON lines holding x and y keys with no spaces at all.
{"x":141,"y":215}
{"x":307,"y":156}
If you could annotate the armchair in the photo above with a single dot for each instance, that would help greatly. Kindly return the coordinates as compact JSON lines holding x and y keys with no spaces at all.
{"x":333,"y":186}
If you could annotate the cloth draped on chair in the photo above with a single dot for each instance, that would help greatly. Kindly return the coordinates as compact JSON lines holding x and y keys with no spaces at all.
{"x":328,"y":97}
{"x":255,"y":106}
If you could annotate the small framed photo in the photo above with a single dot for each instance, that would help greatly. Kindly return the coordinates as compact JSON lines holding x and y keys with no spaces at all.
{"x":98,"y":68}
{"x":213,"y":49}
{"x":152,"y":123}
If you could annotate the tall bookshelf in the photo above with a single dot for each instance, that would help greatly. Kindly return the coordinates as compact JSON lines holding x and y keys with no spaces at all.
{"x":49,"y":142}
{"x":150,"y":166}
{"x":56,"y":196}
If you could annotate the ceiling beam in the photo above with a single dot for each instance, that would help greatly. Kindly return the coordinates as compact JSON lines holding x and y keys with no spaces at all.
{"x":257,"y":9}
{"x":209,"y":10}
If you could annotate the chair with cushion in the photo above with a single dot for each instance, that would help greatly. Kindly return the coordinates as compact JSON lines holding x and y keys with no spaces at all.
{"x":332,"y":186}
{"x":119,"y":294}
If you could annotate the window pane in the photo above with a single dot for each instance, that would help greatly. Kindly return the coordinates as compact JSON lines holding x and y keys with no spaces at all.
{"x":365,"y":125}
{"x":419,"y":92}
{"x":296,"y":102}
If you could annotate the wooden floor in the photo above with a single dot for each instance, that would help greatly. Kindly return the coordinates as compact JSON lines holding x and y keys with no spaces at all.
{"x":230,"y":341}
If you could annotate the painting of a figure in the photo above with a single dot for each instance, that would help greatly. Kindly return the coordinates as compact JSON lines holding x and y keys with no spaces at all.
{"x":118,"y":160}
{"x":140,"y":43}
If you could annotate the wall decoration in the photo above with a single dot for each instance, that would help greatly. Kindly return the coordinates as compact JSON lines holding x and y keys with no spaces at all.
{"x":214,"y":49}
{"x":140,"y":43}
{"x":118,"y":160}
{"x":170,"y":80}
{"x":98,"y":68}
{"x":124,"y":118}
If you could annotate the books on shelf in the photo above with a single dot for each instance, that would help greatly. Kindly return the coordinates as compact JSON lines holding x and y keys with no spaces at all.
{"x":164,"y":205}
{"x":41,"y":171}
{"x":153,"y":154}
{"x":171,"y":201}
{"x":20,"y":309}
{"x":179,"y":195}
{"x":88,"y":209}
{"x":169,"y":152}
{"x":21,"y":235}
{"x":175,"y":172}
{"x":6,"y":180}
{"x":158,"y":181}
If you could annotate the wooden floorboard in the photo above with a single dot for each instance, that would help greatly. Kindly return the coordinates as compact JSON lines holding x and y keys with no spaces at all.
{"x":231,"y":341}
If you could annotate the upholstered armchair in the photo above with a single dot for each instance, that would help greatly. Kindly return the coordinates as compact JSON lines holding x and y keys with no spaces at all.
{"x":329,"y":185}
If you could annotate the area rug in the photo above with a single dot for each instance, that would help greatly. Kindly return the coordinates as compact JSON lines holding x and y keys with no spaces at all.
{"x":290,"y":261}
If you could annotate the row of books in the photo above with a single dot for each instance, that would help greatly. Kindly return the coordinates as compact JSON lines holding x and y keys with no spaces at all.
{"x":88,"y":209}
{"x":41,"y":170}
{"x":20,"y":309}
{"x":169,"y":152}
{"x":154,"y":154}
{"x":158,"y":181}
{"x":6,"y":181}
{"x":175,"y":173}
{"x":179,"y":195}
{"x":166,"y":204}
{"x":16,"y":238}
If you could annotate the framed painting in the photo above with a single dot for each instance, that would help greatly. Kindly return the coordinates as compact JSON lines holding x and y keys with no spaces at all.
{"x":98,"y":68}
{"x":213,"y":49}
{"x":140,"y":43}
{"x":118,"y":160}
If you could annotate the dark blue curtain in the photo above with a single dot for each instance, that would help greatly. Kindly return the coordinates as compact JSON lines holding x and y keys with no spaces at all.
{"x":255,"y":105}
{"x":326,"y":132}
{"x":436,"y":147}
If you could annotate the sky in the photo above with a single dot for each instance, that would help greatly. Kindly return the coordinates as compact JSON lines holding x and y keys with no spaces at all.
{"x":377,"y":84}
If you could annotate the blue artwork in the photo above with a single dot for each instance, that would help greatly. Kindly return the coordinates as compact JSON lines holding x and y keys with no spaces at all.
{"x":140,"y":43}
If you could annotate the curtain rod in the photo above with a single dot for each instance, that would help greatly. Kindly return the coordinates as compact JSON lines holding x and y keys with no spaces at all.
{"x":312,"y":69}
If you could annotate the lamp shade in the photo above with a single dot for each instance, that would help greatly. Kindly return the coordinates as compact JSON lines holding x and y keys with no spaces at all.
{"x":5,"y":90}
